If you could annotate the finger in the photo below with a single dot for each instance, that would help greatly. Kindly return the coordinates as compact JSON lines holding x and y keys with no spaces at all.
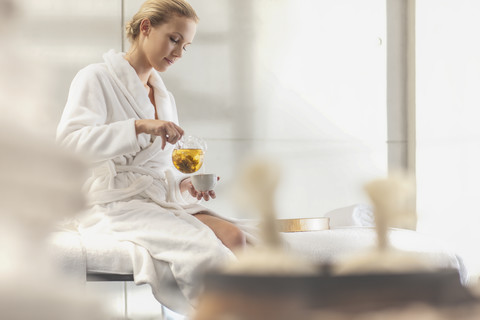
{"x":194,"y":193}
{"x":174,"y":129}
{"x":212,"y":194}
{"x":179,"y":130}
{"x":206,"y":197}
{"x":174,"y":139}
{"x":164,"y":141}
{"x":162,"y":132}
{"x":173,"y":136}
{"x":192,"y":190}
{"x":170,"y":139}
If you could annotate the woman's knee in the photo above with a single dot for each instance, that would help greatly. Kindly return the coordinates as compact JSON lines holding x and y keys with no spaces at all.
{"x":234,"y":238}
{"x":230,"y":235}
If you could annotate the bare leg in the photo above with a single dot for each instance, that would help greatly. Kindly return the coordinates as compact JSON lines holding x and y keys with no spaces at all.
{"x":230,"y":235}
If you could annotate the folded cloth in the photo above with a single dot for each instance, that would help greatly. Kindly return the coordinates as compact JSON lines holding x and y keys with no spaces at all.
{"x":359,"y":215}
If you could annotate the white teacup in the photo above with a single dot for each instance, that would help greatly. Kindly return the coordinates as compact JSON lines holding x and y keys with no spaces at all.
{"x":204,"y":181}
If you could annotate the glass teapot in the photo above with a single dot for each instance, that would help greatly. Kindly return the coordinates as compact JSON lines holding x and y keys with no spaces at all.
{"x":188,"y":154}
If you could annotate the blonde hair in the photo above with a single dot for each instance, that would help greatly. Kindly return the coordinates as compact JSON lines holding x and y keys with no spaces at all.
{"x":158,"y":12}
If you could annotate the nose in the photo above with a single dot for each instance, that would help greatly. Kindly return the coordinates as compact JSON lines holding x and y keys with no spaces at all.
{"x":178,"y":52}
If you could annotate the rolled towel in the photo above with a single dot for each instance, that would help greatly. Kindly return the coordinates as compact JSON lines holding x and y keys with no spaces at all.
{"x":363,"y":216}
{"x":354,"y":215}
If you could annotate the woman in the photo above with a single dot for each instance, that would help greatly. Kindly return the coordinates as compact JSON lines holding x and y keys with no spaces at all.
{"x":120,"y":114}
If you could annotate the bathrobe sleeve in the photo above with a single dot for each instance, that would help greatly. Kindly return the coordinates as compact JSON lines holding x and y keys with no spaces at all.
{"x":86,"y":127}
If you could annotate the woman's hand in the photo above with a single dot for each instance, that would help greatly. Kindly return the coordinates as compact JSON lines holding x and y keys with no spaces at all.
{"x":186,"y":184}
{"x":167,"y":130}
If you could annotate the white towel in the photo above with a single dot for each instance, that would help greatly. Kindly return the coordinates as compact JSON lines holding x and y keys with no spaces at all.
{"x":359,"y":215}
{"x":68,"y":254}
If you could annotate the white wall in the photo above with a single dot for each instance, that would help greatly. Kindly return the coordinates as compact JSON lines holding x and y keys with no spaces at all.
{"x":59,"y":38}
{"x":303,"y":82}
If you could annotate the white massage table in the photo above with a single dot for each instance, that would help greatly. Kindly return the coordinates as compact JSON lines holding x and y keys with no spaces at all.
{"x":102,"y":258}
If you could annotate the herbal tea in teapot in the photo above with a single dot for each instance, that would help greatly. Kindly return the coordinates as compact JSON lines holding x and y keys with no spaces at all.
{"x":188,"y":154}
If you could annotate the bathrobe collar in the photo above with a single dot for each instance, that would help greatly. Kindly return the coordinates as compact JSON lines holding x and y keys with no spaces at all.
{"x":129,"y":82}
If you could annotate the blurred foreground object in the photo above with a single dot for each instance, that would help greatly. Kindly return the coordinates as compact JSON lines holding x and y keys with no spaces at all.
{"x":39,"y":186}
{"x":255,"y":289}
{"x":415,"y":311}
{"x":323,"y":296}
{"x":256,"y":186}
{"x":393,"y":201}
{"x":224,"y":296}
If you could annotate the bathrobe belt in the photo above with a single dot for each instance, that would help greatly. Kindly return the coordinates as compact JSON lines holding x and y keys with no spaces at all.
{"x":137,"y":186}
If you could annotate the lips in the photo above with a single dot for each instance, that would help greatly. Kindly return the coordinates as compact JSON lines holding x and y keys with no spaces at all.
{"x":170,"y":62}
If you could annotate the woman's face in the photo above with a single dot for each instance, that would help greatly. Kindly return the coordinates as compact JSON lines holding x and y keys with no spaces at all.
{"x":166,"y":43}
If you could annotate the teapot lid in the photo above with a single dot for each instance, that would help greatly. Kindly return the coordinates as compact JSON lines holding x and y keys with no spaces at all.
{"x":191,"y":142}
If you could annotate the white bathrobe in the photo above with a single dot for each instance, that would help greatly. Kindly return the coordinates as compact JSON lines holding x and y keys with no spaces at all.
{"x":133,"y":191}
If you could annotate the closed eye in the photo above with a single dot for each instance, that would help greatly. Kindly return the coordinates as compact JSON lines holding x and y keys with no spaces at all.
{"x":176,"y":42}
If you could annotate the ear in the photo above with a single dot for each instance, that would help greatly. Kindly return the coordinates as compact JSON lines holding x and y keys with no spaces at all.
{"x":145,"y":27}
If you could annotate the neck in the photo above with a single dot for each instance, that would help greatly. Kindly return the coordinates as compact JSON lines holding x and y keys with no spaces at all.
{"x":140,"y":63}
